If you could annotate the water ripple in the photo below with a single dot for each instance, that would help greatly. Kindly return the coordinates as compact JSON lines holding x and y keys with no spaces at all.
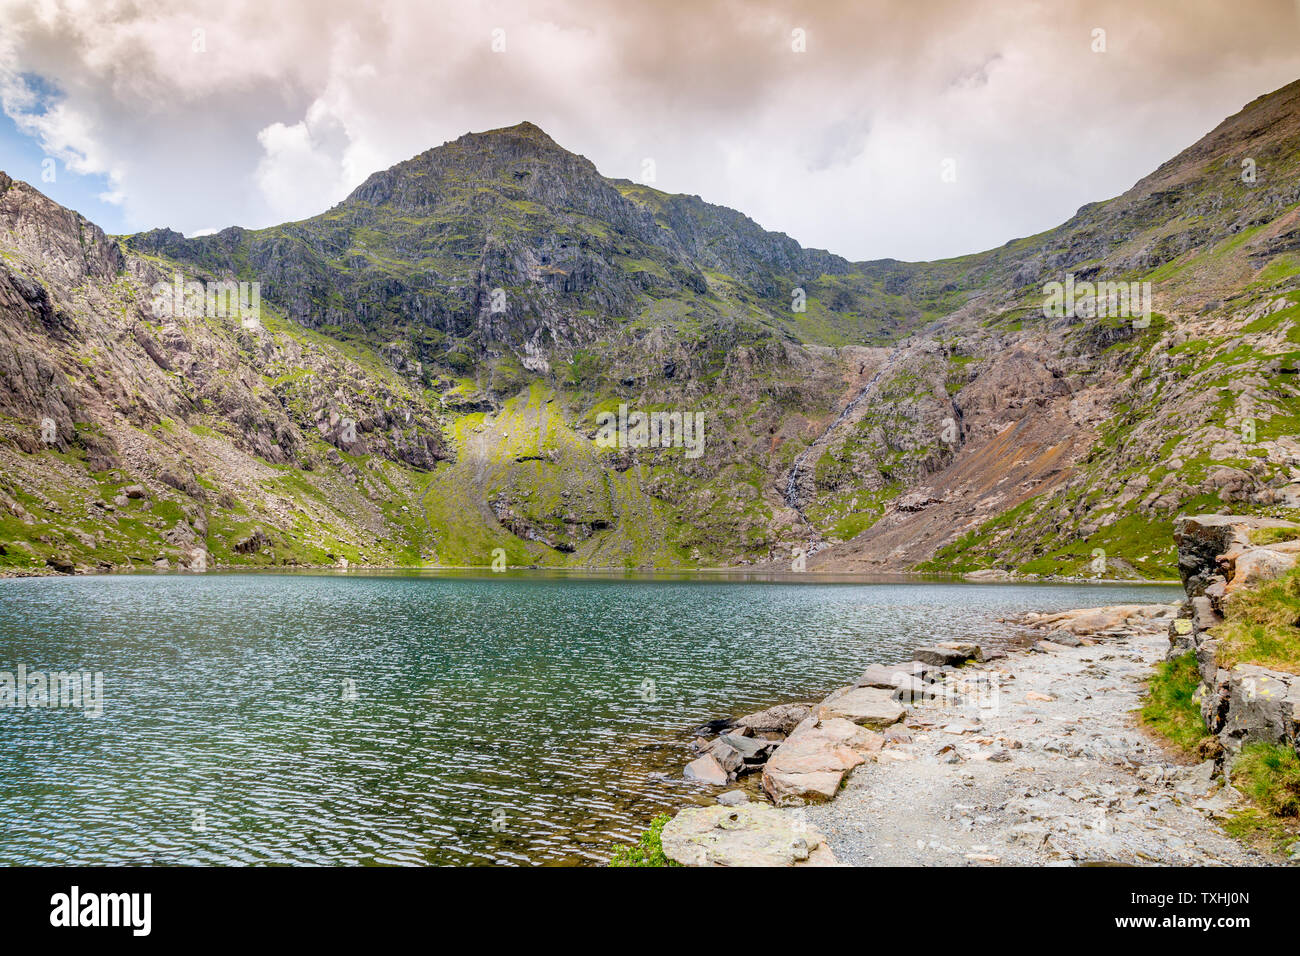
{"x":410,"y":720}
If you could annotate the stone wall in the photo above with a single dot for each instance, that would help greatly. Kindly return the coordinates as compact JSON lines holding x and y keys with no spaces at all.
{"x":1245,"y":703}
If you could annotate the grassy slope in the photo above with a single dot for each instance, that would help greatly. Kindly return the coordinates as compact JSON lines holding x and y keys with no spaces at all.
{"x":1262,"y":626}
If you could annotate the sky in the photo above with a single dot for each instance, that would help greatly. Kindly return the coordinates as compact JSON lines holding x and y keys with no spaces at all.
{"x":913,"y":130}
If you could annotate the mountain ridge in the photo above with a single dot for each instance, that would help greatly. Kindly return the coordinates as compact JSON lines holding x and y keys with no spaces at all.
{"x":434,"y":351}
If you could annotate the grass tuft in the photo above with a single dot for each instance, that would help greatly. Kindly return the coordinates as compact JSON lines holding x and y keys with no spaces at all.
{"x":1270,"y":775}
{"x":1171,"y":708}
{"x":1263,"y":626}
{"x":1264,"y":536}
{"x":649,"y":850}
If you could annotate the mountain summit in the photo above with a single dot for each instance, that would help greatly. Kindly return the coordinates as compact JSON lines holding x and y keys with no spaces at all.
{"x":424,"y":380}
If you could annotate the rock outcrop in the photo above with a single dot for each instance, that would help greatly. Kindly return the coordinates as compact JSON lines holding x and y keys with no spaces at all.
{"x":752,"y":834}
{"x":1218,"y":556}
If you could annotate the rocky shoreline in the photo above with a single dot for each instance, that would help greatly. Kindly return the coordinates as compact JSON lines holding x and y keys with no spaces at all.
{"x":1028,"y":754}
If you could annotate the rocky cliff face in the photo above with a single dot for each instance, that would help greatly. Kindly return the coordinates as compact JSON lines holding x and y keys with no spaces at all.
{"x":434,"y":352}
{"x":1242,"y":701}
{"x":221,"y":433}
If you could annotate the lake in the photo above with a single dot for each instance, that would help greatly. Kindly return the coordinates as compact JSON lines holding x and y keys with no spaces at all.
{"x":420,"y":718}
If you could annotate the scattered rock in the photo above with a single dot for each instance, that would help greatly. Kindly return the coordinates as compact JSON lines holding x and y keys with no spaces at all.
{"x":1086,"y":621}
{"x":752,"y":750}
{"x":706,"y":769}
{"x":1195,"y":781}
{"x":897,"y":735}
{"x":727,"y":756}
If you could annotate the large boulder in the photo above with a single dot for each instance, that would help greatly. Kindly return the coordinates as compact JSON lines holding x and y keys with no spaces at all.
{"x":947,"y":653}
{"x":894,"y":675}
{"x":1263,"y":706}
{"x":869,"y":706}
{"x":1258,"y":565}
{"x":706,"y":769}
{"x":754,"y":834}
{"x":810,"y":765}
{"x":781,"y":719}
{"x":1203,"y":539}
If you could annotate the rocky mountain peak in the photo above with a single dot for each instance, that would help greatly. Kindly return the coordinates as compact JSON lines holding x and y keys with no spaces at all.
{"x":51,"y":240}
{"x":517,"y":159}
{"x":525,"y":130}
{"x":435,"y":348}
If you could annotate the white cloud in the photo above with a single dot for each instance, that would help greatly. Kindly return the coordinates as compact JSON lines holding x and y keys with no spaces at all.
{"x":292,"y":104}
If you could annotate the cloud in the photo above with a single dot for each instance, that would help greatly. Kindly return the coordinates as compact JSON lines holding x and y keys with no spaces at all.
{"x":301,"y":171}
{"x":288,"y":106}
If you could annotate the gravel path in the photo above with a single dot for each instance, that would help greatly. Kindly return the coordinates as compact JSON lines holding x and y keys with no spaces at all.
{"x":1024,"y":780}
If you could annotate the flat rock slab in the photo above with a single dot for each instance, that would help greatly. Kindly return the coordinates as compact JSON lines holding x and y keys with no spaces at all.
{"x":810,"y":765}
{"x":1048,"y":646}
{"x":754,"y":834}
{"x":869,"y":706}
{"x":1091,"y":620}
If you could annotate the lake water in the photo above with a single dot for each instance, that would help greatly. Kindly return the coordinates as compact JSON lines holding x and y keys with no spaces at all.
{"x":416,"y":719}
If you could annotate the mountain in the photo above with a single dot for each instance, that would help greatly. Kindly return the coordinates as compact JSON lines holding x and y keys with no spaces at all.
{"x":435,"y":354}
